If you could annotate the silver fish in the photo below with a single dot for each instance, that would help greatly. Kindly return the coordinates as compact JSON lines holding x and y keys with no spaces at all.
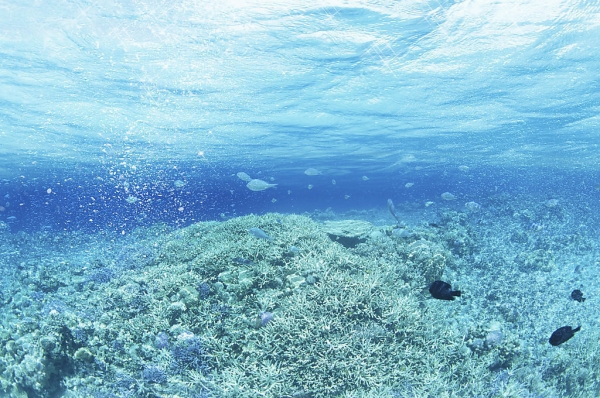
{"x":392,"y":210}
{"x":259,"y":185}
{"x":259,"y":233}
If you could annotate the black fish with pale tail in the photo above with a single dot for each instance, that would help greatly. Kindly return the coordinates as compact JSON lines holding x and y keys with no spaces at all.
{"x":577,"y":295}
{"x":443,"y":291}
{"x":563,"y":334}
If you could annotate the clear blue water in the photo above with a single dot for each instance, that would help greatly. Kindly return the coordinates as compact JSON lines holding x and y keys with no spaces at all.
{"x":95,"y":96}
{"x":124,"y":122}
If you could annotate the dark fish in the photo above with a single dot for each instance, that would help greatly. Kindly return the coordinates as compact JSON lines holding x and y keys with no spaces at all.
{"x":577,"y":295}
{"x":563,"y":334}
{"x":443,"y":291}
{"x":243,"y":261}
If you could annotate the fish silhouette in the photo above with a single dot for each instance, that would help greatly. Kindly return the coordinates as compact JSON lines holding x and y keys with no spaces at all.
{"x":443,"y":291}
{"x":243,"y":261}
{"x":577,"y":295}
{"x":563,"y":334}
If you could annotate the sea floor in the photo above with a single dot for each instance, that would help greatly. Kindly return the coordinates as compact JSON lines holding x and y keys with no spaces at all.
{"x":321,"y":307}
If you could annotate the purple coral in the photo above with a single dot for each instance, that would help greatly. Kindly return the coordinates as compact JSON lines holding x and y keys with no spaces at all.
{"x":154,"y":375}
{"x":204,"y":290}
{"x":265,"y":317}
{"x":189,"y":354}
{"x":161,"y":341}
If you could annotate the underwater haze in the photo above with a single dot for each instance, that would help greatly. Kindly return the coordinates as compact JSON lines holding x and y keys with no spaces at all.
{"x":244,"y":198}
{"x":105,"y":100}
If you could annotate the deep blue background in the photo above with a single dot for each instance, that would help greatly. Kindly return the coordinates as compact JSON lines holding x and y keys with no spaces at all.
{"x":96,"y":200}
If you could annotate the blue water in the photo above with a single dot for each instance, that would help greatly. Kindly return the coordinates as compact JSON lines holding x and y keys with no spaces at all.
{"x":117,"y":117}
{"x":98,"y":95}
{"x":81,"y":202}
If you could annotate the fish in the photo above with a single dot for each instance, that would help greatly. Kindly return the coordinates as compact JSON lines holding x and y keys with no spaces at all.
{"x":312,"y":172}
{"x":577,"y":295}
{"x":448,"y":196}
{"x":392,"y":210}
{"x":259,"y":185}
{"x":243,"y":261}
{"x":443,"y":291}
{"x":259,"y":233}
{"x":563,"y":334}
{"x":473,"y":206}
{"x":243,"y":176}
{"x":401,"y":233}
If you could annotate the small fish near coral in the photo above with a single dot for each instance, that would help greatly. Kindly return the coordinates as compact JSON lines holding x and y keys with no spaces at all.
{"x":563,"y":334}
{"x":259,"y":233}
{"x":392,"y":210}
{"x":577,"y":295}
{"x":443,"y":291}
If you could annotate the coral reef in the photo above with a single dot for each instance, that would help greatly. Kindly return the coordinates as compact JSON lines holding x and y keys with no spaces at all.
{"x":348,"y":233}
{"x":214,"y":311}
